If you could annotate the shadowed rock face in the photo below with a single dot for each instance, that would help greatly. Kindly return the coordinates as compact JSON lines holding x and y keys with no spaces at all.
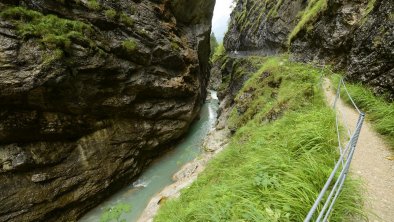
{"x":262,"y":25}
{"x":348,"y":34}
{"x":84,"y":111}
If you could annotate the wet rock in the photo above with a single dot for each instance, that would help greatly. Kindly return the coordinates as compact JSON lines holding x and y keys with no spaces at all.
{"x":82,"y":113}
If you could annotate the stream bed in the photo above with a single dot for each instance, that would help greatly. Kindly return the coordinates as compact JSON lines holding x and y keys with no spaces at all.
{"x":159,"y":174}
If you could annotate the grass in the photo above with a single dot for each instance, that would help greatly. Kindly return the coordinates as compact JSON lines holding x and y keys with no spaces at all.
{"x":52,"y":31}
{"x":93,"y":5}
{"x":278,"y":94}
{"x":378,"y":111}
{"x":272,"y":170}
{"x":130,"y":45}
{"x":110,"y":13}
{"x":370,"y":7}
{"x":219,"y":53}
{"x":309,"y":15}
{"x":126,"y":19}
{"x":274,"y":11}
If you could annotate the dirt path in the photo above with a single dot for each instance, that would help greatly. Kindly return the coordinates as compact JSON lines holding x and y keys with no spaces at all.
{"x":371,"y":163}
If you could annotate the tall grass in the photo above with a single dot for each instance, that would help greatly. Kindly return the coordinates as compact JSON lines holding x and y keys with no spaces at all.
{"x":271,"y":171}
{"x":52,"y":31}
{"x":378,"y":111}
{"x":314,"y":8}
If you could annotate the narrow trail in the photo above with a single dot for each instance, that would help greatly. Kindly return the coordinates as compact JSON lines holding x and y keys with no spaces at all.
{"x":370,"y":163}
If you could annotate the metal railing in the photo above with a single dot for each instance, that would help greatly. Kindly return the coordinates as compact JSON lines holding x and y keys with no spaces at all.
{"x":330,"y":192}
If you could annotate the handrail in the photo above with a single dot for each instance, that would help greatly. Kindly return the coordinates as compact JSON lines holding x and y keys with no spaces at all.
{"x":342,"y":165}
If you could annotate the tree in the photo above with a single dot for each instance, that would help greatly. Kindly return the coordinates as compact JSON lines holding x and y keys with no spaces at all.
{"x":214,"y":43}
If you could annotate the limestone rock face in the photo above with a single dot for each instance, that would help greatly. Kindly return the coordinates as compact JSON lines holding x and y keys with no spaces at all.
{"x":353,"y":39}
{"x":353,"y":35}
{"x":262,"y":25}
{"x":90,"y":93}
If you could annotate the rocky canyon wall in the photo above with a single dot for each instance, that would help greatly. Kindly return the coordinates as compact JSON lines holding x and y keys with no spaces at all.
{"x":90,"y":92}
{"x":356,"y":36}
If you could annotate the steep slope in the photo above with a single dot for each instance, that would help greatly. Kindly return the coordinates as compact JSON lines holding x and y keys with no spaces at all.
{"x":90,"y":92}
{"x":353,"y":35}
{"x":283,"y":149}
{"x":262,"y":25}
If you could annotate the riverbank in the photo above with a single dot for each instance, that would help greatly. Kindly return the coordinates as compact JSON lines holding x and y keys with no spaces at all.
{"x":216,"y":140}
{"x":159,"y":174}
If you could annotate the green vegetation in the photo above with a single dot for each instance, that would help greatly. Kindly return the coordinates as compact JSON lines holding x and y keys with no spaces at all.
{"x":175,"y":45}
{"x":55,"y":55}
{"x":308,"y":16}
{"x":378,"y":111}
{"x":114,"y":213}
{"x":125,"y":19}
{"x":274,"y":10}
{"x":130,"y":45}
{"x":110,"y":13}
{"x":370,"y":6}
{"x":367,"y":11}
{"x":214,"y":43}
{"x":218,"y":53}
{"x":391,"y":16}
{"x":93,"y":5}
{"x":272,"y":170}
{"x":276,"y":83}
{"x":52,"y":31}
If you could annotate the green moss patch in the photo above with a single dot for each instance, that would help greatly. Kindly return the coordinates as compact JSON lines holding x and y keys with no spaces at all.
{"x":52,"y":31}
{"x":93,"y":5}
{"x":110,"y":13}
{"x":126,"y":19}
{"x":130,"y":45}
{"x":309,"y":15}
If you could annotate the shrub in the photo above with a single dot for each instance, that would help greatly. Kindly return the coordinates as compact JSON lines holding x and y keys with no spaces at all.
{"x":110,"y":13}
{"x":125,"y":19}
{"x":130,"y":45}
{"x":93,"y":5}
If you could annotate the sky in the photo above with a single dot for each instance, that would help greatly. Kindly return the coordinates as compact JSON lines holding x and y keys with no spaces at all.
{"x":221,"y":16}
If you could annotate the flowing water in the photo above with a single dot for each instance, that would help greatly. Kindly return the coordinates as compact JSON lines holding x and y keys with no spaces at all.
{"x":159,"y":174}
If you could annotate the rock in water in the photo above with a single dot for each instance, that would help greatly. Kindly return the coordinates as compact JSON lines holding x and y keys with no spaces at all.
{"x":355,"y":36}
{"x":90,"y":92}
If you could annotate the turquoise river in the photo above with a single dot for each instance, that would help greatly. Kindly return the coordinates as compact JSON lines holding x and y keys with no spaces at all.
{"x":159,"y":174}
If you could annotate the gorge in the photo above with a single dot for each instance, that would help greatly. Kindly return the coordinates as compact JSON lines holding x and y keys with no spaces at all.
{"x":94,"y":92}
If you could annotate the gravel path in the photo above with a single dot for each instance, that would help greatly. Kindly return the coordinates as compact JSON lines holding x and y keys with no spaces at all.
{"x":371,"y":162}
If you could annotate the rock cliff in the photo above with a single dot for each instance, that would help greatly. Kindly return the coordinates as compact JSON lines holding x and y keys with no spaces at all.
{"x":353,"y":35}
{"x":90,"y":92}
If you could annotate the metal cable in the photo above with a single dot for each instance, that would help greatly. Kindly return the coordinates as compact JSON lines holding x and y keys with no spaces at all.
{"x":347,"y":92}
{"x":345,"y":158}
